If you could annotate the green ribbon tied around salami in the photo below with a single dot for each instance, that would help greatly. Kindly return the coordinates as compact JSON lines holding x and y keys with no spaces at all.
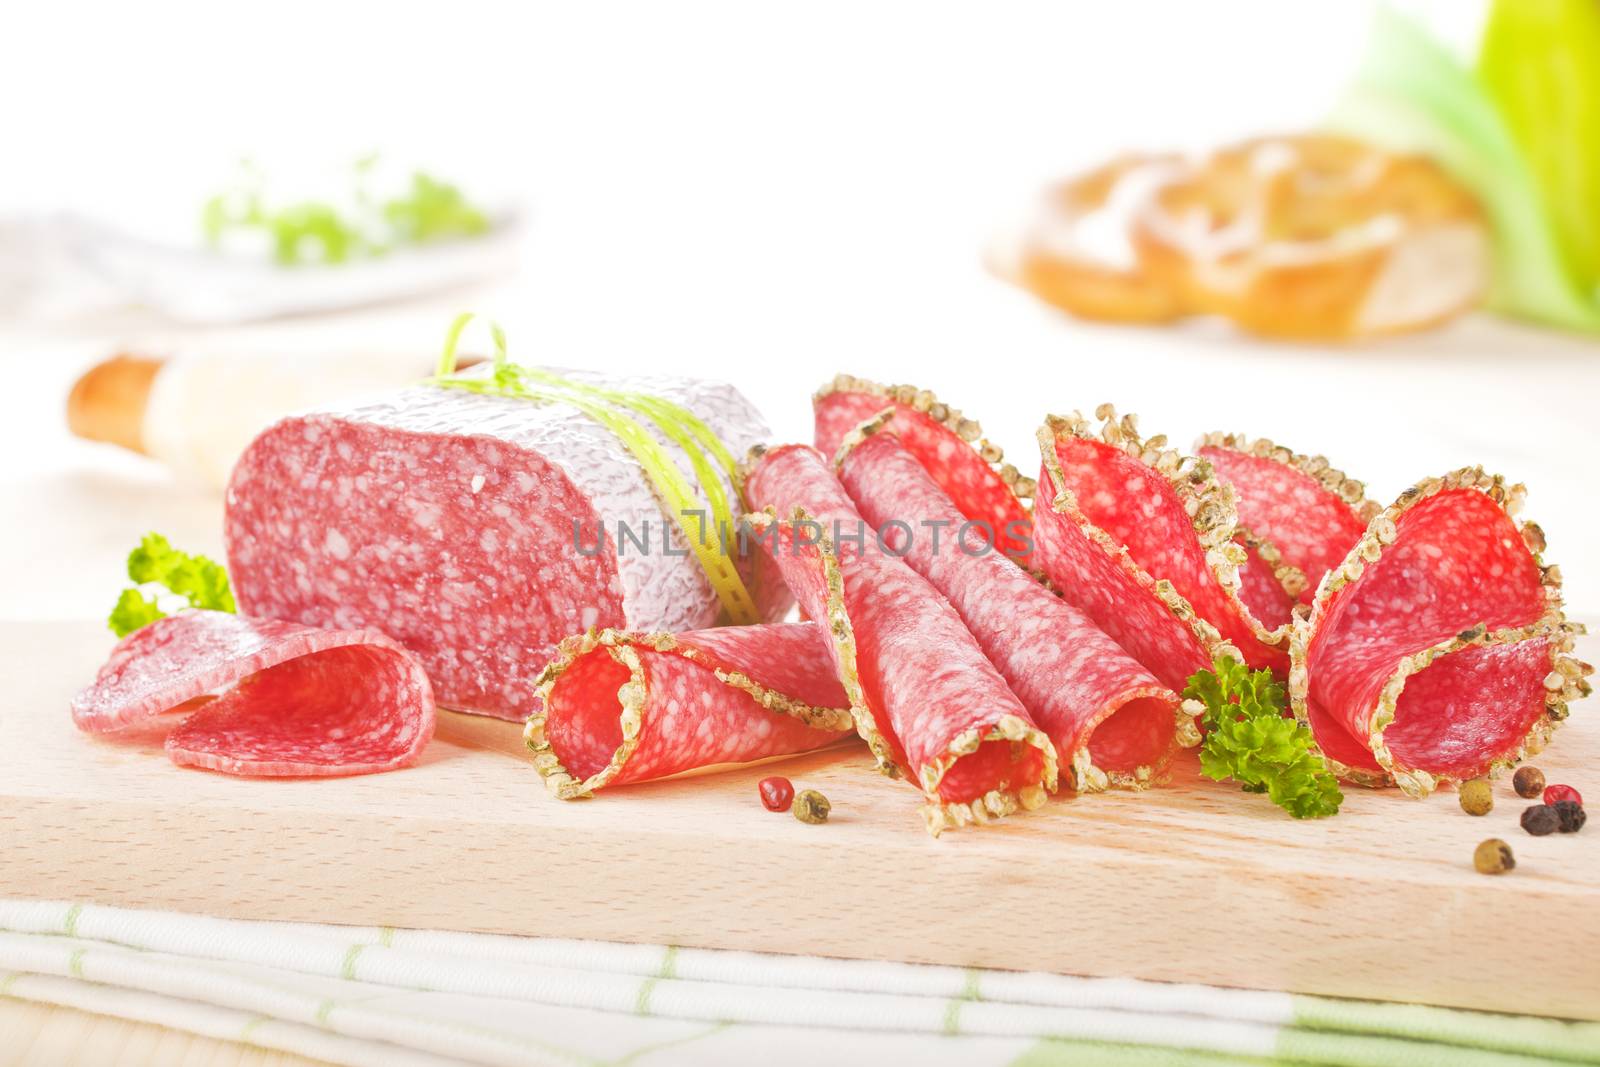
{"x":616,"y":409}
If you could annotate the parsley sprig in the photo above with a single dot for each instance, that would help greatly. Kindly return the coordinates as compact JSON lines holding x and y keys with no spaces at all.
{"x":202,"y":582}
{"x":1248,"y":739}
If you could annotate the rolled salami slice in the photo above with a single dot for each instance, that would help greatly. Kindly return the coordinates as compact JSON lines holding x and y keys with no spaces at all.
{"x":1269,"y":588}
{"x":477,"y":530}
{"x":950,"y":446}
{"x":1111,"y":721}
{"x":1437,"y":650}
{"x":1142,"y":540}
{"x":1298,"y":519}
{"x":295,"y":701}
{"x":925,"y":698}
{"x":619,"y":708}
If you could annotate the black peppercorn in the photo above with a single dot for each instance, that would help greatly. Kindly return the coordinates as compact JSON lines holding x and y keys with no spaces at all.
{"x":1570,"y":815}
{"x":1540,"y":819}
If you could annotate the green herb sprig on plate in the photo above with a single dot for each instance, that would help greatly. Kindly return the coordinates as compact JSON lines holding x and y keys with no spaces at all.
{"x":202,"y":582}
{"x":1248,"y":739}
{"x":316,"y":231}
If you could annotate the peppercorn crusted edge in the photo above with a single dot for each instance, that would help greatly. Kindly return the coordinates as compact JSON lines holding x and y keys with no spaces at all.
{"x":876,"y":424}
{"x":1088,"y":777}
{"x":1185,"y":733}
{"x":840,"y":631}
{"x":1208,"y":500}
{"x":633,"y":698}
{"x":1084,"y":775}
{"x":1350,"y":491}
{"x":964,"y":429}
{"x":938,"y":815}
{"x":863,"y":430}
{"x":1418,"y":783}
{"x":1176,"y":471}
{"x":1347,"y":490}
{"x":561,"y":783}
{"x":1565,"y":682}
{"x":1291,"y":579}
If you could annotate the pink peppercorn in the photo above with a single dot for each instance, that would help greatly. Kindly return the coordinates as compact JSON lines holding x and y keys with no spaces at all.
{"x":777,"y":793}
{"x":1554,"y":793}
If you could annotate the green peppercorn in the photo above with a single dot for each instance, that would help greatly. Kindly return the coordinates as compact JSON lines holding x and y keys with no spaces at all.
{"x":811,"y":806}
{"x":1476,"y":797}
{"x":1541,"y":819}
{"x":1528,"y":782}
{"x":1493,"y":857}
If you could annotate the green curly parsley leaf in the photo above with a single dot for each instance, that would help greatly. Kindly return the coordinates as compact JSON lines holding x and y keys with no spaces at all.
{"x":200,"y":581}
{"x":133,"y":610}
{"x":1248,"y":739}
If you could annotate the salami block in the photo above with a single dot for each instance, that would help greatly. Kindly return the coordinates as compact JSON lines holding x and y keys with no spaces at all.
{"x":950,"y":446}
{"x":294,"y":701}
{"x":927,"y":701}
{"x":619,"y":708}
{"x":1298,"y":518}
{"x":1437,"y":650}
{"x":477,"y":530}
{"x":1142,"y":540}
{"x":1111,"y":721}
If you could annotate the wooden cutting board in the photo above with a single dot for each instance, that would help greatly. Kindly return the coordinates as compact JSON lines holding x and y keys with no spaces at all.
{"x":1193,"y":882}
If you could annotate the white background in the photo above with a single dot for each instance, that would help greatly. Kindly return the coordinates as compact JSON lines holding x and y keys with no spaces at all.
{"x":762,"y":193}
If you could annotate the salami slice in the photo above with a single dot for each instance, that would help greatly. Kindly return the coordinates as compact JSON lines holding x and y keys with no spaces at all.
{"x":1269,"y":588}
{"x":926,"y":699}
{"x":619,"y":708}
{"x":1141,"y":540}
{"x":296,"y":701}
{"x":950,"y":446}
{"x":478,"y":530}
{"x":1298,"y":518}
{"x":1437,"y":649}
{"x":1111,"y":721}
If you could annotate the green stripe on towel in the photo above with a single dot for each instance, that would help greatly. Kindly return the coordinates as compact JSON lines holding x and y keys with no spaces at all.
{"x":1061,"y":1052}
{"x":1525,"y":1034}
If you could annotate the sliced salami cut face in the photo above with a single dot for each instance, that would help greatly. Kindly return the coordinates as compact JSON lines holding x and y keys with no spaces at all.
{"x":619,"y":708}
{"x":1170,"y":515}
{"x":1298,"y":518}
{"x":1268,"y":587}
{"x":1140,"y":539}
{"x":295,"y":701}
{"x":926,"y":699}
{"x":949,"y":446}
{"x":477,"y":530}
{"x":1437,"y":649}
{"x":1111,"y":721}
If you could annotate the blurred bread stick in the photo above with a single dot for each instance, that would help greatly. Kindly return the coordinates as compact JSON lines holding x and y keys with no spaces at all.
{"x":196,"y":413}
{"x":107,"y":403}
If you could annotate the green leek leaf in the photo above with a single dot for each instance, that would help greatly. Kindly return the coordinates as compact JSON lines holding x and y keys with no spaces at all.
{"x":1540,"y":63}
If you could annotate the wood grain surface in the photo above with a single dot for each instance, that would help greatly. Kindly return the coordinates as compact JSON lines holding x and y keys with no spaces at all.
{"x":44,"y":1035}
{"x":1195,"y":881}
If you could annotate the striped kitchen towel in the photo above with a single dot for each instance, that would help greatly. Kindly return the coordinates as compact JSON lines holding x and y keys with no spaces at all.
{"x":381,"y":996}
